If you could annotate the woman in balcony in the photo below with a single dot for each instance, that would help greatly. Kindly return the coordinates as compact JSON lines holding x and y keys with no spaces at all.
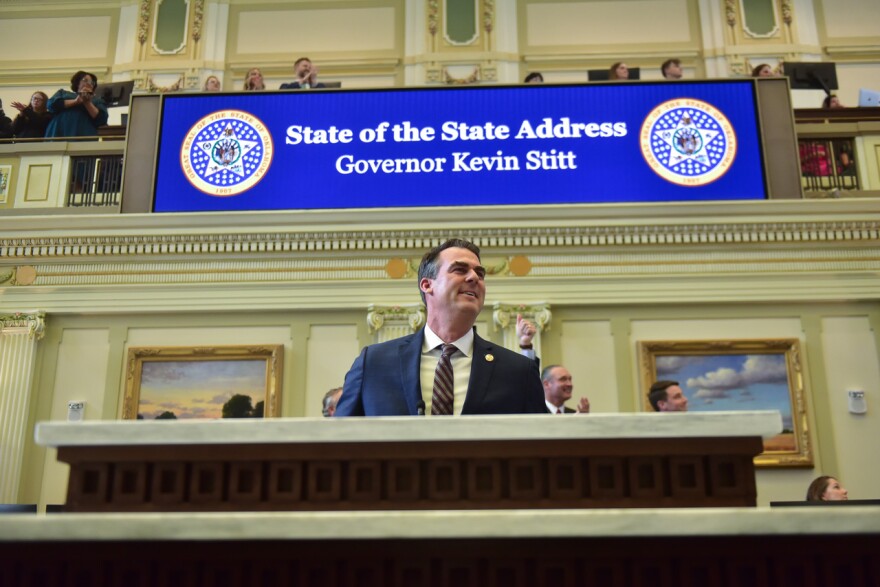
{"x":78,"y":113}
{"x":212,"y":84}
{"x":33,"y":118}
{"x":618,"y":71}
{"x":253,"y":81}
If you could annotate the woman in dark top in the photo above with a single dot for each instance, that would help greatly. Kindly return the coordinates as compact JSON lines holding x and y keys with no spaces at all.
{"x":33,"y":118}
{"x":78,"y":113}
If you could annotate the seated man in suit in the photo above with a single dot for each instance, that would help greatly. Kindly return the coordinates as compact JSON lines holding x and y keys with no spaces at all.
{"x":557,"y":390}
{"x":445,"y":368}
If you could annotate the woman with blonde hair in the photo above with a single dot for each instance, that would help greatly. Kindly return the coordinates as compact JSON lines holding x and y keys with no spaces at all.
{"x":253,"y":80}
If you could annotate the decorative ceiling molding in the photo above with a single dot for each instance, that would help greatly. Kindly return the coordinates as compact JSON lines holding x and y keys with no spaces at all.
{"x":536,"y":239}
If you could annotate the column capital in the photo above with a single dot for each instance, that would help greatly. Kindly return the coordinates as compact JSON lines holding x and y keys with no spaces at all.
{"x":34,"y":322}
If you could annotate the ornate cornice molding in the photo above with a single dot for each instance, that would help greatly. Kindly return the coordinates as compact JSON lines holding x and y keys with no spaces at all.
{"x":656,"y":237}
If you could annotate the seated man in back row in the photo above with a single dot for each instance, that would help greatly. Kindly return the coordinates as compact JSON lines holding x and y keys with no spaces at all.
{"x":306,"y":76}
{"x":667,"y":396}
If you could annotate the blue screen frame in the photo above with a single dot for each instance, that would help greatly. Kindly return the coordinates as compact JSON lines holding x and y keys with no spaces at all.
{"x":414,"y":151}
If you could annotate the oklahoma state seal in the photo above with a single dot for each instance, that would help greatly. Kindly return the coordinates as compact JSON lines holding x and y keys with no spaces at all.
{"x":226,"y":153}
{"x":688,"y":142}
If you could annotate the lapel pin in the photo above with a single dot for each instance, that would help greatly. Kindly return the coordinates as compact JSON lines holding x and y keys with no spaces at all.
{"x":490,"y":357}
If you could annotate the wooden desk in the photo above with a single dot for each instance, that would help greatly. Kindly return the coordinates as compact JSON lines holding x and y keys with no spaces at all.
{"x":462,"y":463}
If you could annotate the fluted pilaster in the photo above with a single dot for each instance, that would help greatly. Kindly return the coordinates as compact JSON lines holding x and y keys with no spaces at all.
{"x":19,"y":334}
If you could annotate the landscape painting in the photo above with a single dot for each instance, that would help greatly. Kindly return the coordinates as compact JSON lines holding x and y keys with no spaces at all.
{"x":738,"y":375}
{"x":179,"y":383}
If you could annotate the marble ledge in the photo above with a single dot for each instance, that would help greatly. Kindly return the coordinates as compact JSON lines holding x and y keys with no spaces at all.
{"x":432,"y":525}
{"x":414,"y":429}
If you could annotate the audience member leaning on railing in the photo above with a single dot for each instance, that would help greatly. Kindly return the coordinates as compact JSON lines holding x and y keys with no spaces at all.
{"x":5,"y":124}
{"x":33,"y":118}
{"x":80,"y":112}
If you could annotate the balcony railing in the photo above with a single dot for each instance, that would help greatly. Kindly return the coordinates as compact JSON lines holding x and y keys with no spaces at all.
{"x":828,"y":164}
{"x":95,"y":180}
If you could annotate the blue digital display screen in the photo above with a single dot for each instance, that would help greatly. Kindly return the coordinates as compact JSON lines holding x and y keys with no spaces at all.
{"x":472,"y":146}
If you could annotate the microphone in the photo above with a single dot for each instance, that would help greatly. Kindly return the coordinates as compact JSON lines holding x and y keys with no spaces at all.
{"x":420,"y":408}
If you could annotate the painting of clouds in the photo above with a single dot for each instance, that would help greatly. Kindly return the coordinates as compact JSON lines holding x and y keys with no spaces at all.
{"x":202,"y":389}
{"x":725,"y":382}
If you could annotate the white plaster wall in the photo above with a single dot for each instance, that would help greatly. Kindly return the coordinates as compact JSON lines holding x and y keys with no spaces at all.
{"x":850,"y":354}
{"x":851,"y":18}
{"x":126,"y":44}
{"x":297,"y":31}
{"x":580,"y":23}
{"x":588,"y":353}
{"x":330,"y":352}
{"x":50,"y":38}
{"x":80,"y":375}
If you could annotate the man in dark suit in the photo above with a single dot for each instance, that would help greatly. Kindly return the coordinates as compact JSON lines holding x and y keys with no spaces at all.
{"x":558,"y":388}
{"x":306,"y":76}
{"x":402,"y":376}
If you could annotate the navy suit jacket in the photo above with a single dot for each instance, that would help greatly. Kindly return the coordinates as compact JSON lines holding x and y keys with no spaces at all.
{"x":384,"y":381}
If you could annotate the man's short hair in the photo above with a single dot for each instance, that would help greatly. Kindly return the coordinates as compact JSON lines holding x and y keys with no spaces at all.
{"x":667,"y":63}
{"x":658,"y":394}
{"x":429,"y":266}
{"x":545,"y":374}
{"x":533,"y":75}
{"x":300,"y":60}
{"x":327,"y":402}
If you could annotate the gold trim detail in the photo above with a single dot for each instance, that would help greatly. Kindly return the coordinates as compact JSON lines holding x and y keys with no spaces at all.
{"x":198,"y":16}
{"x":787,"y":12}
{"x":488,"y":15}
{"x":397,"y":268}
{"x":433,"y":17}
{"x":520,"y":265}
{"x":144,"y":20}
{"x":25,"y":275}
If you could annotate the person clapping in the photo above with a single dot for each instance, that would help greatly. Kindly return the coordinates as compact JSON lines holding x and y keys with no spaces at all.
{"x":33,"y":118}
{"x":77,"y":113}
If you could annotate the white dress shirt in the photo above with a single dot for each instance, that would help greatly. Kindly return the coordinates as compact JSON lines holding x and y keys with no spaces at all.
{"x":461,"y":368}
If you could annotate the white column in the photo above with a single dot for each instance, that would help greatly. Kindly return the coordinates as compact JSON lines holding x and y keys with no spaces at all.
{"x":393,"y":322}
{"x":19,"y":334}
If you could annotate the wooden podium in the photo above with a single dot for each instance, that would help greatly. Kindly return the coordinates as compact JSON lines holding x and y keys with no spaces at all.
{"x":462,"y":463}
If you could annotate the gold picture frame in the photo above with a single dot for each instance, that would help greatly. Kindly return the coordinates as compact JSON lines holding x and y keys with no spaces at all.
{"x":738,"y":375}
{"x":5,"y":181}
{"x":203,"y":382}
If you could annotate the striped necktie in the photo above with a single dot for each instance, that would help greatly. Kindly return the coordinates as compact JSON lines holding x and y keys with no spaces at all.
{"x":441,"y":399}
